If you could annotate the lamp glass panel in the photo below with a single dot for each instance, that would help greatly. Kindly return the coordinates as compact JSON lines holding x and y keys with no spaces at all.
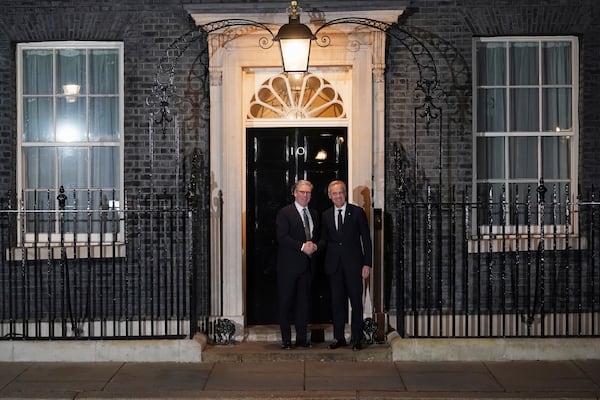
{"x":295,"y":53}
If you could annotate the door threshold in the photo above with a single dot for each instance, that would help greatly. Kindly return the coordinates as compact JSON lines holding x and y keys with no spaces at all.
{"x":270,"y":333}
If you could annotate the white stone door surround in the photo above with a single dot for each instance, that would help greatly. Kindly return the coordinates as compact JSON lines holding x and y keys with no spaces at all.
{"x":354,"y":62}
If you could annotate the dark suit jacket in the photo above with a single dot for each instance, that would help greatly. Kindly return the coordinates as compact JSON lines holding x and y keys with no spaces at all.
{"x":290,"y":238}
{"x":352,"y":245}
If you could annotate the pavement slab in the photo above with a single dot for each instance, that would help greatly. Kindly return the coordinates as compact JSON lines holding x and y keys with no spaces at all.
{"x":541,"y":376}
{"x":55,"y":378}
{"x":447,"y":376}
{"x":257,"y":376}
{"x":353,"y":376}
{"x":143,"y":377}
{"x":590,"y":368}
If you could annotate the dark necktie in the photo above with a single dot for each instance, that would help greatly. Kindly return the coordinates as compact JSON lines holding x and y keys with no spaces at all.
{"x":306,"y":224}
{"x":340,"y":222}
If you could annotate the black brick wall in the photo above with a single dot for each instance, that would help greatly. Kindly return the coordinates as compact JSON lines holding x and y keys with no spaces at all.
{"x":446,"y":28}
{"x":146,"y":28}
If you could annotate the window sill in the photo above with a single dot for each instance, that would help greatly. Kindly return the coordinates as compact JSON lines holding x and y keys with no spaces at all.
{"x":511,"y":243}
{"x":54,"y":251}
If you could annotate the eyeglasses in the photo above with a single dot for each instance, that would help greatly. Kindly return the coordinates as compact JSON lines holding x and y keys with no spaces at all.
{"x":303,"y":192}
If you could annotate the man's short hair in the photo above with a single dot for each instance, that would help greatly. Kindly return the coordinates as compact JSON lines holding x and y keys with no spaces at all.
{"x":302,"y":182}
{"x":336,"y":182}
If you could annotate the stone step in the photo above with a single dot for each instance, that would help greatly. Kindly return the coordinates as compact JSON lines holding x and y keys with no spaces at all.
{"x":270,"y":333}
{"x":263,"y":343}
{"x":248,"y":351}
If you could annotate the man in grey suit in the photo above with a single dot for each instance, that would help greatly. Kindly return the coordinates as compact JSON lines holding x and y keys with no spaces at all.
{"x":296,"y":228}
{"x":346,"y":235}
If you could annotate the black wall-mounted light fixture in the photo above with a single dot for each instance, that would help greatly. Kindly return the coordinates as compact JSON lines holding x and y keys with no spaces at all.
{"x":294,"y":41}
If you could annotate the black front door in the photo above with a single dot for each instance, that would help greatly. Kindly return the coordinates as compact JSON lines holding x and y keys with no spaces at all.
{"x":276,"y":158}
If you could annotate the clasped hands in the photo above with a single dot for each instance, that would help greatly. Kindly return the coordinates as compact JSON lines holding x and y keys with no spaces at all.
{"x":309,"y":248}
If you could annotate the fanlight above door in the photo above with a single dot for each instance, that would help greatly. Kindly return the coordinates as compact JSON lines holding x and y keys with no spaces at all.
{"x":296,"y":96}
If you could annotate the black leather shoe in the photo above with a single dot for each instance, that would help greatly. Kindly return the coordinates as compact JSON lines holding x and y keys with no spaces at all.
{"x":286,"y":345}
{"x":358,"y":346}
{"x":306,"y":344}
{"x":337,"y":344}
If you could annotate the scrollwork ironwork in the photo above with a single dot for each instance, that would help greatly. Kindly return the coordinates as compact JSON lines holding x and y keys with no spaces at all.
{"x":164,"y":89}
{"x":427,"y":86}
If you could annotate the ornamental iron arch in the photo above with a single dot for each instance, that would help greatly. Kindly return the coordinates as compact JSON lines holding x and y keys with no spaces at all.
{"x":427,"y":90}
{"x":164,"y":96}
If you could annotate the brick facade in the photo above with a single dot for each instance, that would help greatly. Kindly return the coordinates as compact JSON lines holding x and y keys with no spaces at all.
{"x":146,"y":28}
{"x":445,"y":27}
{"x":448,"y":27}
{"x":439,"y":153}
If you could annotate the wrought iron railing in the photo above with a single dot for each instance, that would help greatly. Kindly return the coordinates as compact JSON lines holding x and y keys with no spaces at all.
{"x":128,"y":272}
{"x":528,"y":267}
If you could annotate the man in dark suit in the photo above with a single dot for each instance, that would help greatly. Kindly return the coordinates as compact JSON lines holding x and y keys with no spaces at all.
{"x":346,"y":235}
{"x":296,"y":226}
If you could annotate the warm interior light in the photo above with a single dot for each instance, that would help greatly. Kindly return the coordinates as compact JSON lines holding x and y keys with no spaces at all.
{"x":321,"y":155}
{"x":294,"y":41}
{"x":71,"y":90}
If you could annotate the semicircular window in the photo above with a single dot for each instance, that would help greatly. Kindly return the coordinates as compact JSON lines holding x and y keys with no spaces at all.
{"x":292,"y":97}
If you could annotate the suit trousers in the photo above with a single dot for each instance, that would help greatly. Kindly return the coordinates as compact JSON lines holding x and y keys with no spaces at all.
{"x":294,"y":300}
{"x":344,"y":285}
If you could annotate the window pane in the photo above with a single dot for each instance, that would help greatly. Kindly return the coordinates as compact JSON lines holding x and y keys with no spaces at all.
{"x":556,"y":160}
{"x":489,"y":213}
{"x":42,"y":200}
{"x":39,"y":168}
{"x":107,"y":220}
{"x":523,"y":201}
{"x":78,"y":200}
{"x":104,"y":118}
{"x":524,"y":64}
{"x":524,"y":110}
{"x":523,"y":157}
{"x":73,"y":167}
{"x":104,"y":71}
{"x":556,"y":203}
{"x":70,"y":120}
{"x":74,"y":221}
{"x":491,"y":64}
{"x":70,"y":69}
{"x":40,"y":222}
{"x":37,"y":72}
{"x":105,"y":167}
{"x":37,"y":119}
{"x":490,"y":158}
{"x":105,"y":199}
{"x":556,"y":112}
{"x":491,"y":110}
{"x":556,"y":67}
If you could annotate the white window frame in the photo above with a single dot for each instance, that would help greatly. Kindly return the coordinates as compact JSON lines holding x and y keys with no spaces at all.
{"x":510,"y":230}
{"x":43,"y":238}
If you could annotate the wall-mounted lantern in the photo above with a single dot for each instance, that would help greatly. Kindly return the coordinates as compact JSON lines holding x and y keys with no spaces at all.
{"x":294,"y":41}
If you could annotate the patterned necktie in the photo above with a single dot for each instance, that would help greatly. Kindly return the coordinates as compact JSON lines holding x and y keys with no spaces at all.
{"x":340,"y":222}
{"x":306,"y":224}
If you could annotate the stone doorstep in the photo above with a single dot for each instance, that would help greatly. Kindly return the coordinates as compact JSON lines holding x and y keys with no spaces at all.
{"x":270,"y":333}
{"x":272,"y":351}
{"x":263,"y":343}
